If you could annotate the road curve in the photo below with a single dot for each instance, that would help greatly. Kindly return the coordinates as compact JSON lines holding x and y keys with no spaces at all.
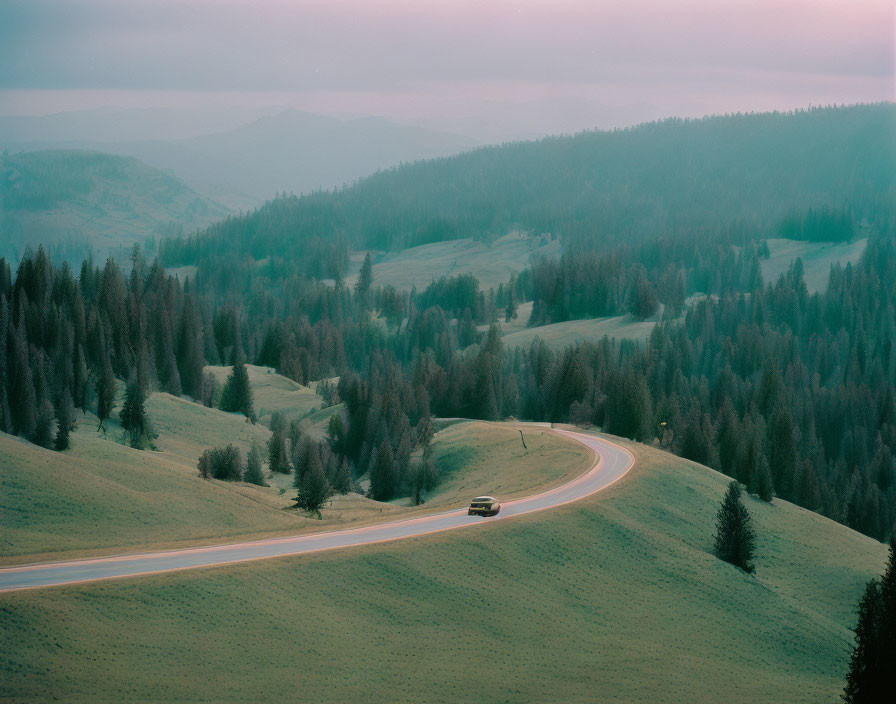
{"x":612,"y":463}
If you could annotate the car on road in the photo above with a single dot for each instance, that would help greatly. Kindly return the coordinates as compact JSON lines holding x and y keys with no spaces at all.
{"x":484,"y":506}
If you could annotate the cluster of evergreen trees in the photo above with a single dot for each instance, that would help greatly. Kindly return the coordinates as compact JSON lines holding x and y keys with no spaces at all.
{"x":872,"y":677}
{"x":790,"y":393}
{"x":65,"y":340}
{"x":388,"y":419}
{"x":637,"y":279}
{"x":821,"y":225}
{"x":226,"y":464}
{"x":787,"y":392}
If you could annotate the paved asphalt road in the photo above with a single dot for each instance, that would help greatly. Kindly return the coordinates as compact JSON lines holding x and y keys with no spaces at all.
{"x":612,"y":463}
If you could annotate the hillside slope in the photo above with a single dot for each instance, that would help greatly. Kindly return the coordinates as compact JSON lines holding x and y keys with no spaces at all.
{"x":102,"y":497}
{"x":817,"y":258}
{"x":77,"y":201}
{"x":243,"y":165}
{"x":739,"y":173}
{"x":491,"y":263}
{"x":615,"y":598}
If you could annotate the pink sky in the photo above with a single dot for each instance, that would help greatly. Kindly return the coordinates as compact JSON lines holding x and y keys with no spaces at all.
{"x":426,"y":57}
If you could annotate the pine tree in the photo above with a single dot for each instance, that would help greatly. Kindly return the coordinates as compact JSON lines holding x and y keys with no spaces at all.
{"x":105,"y":393}
{"x":237,"y":394}
{"x":302,"y":452}
{"x":22,"y":397}
{"x":423,"y":478}
{"x":727,"y":437}
{"x":342,"y":481}
{"x":43,"y":429}
{"x":80,"y":379}
{"x":314,"y":489}
{"x":208,"y":391}
{"x":382,"y":473}
{"x":253,"y":474}
{"x":761,"y":484}
{"x":365,"y":280}
{"x":133,"y":412}
{"x":782,"y":452}
{"x":336,"y":434}
{"x":872,"y":677}
{"x":65,"y":420}
{"x":278,"y":459}
{"x":5,"y":413}
{"x":735,"y":538}
{"x":190,"y":360}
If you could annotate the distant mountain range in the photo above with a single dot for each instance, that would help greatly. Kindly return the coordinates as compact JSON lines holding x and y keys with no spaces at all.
{"x":80,"y":202}
{"x":241,"y":166}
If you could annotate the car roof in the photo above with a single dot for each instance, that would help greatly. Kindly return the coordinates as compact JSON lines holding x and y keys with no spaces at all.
{"x":485,"y":498}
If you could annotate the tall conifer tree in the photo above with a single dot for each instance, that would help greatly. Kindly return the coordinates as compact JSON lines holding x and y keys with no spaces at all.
{"x":735,"y":538}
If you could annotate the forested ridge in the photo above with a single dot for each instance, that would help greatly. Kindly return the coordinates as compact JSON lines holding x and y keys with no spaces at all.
{"x":754,"y":172}
{"x":790,"y":393}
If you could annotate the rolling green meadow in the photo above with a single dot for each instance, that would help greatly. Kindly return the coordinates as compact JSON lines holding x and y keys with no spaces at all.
{"x":560,"y":335}
{"x":272,"y":392}
{"x":782,"y":377}
{"x":109,"y":498}
{"x":614,"y":598}
{"x":492,"y":263}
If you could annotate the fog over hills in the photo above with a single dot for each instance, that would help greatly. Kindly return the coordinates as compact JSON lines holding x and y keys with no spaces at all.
{"x":242,"y":166}
{"x":77,"y":203}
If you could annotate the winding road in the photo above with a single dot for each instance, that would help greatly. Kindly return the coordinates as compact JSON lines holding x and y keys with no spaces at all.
{"x":611,"y":464}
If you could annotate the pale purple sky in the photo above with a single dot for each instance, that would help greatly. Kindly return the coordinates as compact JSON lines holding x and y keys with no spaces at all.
{"x":431,"y":58}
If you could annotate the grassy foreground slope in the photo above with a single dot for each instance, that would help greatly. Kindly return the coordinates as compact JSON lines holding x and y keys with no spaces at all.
{"x":102,"y":497}
{"x":614,"y":598}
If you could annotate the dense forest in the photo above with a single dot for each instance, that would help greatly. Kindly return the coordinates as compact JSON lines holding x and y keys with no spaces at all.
{"x":790,"y":393}
{"x":746,"y":171}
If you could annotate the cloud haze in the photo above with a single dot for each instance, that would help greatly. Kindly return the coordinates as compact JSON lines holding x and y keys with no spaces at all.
{"x":409,"y":56}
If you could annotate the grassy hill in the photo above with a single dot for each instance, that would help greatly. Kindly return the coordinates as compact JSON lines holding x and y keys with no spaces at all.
{"x":272,"y":392}
{"x":817,"y":259}
{"x":560,"y":335}
{"x":491,"y":263}
{"x":77,"y":201}
{"x":103,"y":497}
{"x":631,"y":185}
{"x":614,"y":598}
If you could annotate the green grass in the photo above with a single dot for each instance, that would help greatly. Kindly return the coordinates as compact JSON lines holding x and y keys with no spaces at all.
{"x":613,"y":599}
{"x":489,"y":458}
{"x":560,"y":335}
{"x":272,"y":392}
{"x":492,"y":263}
{"x":817,"y":259}
{"x":102,"y":497}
